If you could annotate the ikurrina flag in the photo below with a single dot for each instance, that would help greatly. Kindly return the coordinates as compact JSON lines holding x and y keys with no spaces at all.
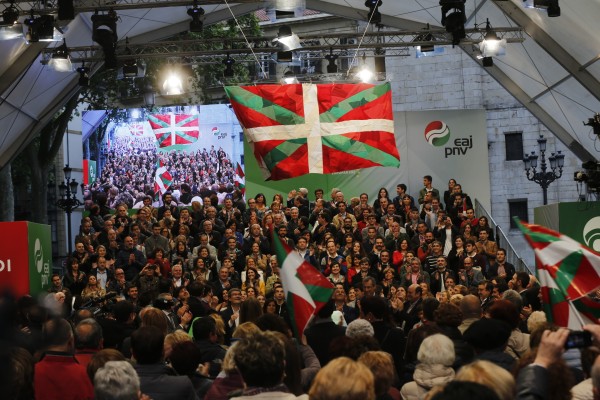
{"x":162,"y":179}
{"x":306,"y":289}
{"x":568,"y":273}
{"x":305,"y":128}
{"x":173,"y":129}
{"x":239,"y":180}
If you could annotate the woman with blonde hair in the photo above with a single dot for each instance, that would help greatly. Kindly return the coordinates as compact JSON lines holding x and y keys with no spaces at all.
{"x":358,"y":382}
{"x":381,"y":365}
{"x":491,"y":375}
{"x":92,"y":290}
{"x":172,"y":339}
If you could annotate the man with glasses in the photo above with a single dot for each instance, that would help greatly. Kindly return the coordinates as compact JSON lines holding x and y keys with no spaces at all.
{"x":342,"y":214}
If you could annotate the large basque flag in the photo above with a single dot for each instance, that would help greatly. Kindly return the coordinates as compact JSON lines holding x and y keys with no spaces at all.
{"x":173,"y":129}
{"x":306,"y":289}
{"x":567,"y":271}
{"x":305,"y":128}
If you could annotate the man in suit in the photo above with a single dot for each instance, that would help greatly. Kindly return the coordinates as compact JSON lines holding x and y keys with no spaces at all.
{"x":439,"y":276}
{"x":410,"y":314}
{"x":322,"y":332}
{"x":501,"y":268}
{"x":231,"y":315}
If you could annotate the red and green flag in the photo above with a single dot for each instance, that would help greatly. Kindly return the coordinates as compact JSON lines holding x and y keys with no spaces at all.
{"x":239,"y":180}
{"x":162,"y":179}
{"x":568,"y":272}
{"x":174,"y":129}
{"x":306,"y":289}
{"x":305,"y":128}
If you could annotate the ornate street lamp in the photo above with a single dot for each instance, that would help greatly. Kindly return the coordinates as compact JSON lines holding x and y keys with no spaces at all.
{"x":68,"y":201}
{"x":543,"y":177}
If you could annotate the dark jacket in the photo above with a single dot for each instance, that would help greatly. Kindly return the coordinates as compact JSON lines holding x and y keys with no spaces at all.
{"x":160,"y":383}
{"x":319,"y":336}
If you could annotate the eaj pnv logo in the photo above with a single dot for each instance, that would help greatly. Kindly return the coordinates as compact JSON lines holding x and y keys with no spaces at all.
{"x":591,"y":233}
{"x":437,"y":133}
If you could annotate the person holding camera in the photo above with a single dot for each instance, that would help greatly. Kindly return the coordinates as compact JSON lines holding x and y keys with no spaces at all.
{"x":148,"y":281}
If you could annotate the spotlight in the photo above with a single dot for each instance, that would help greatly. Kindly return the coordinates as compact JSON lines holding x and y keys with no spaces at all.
{"x":130,"y":69}
{"x":289,"y":78}
{"x":10,"y":15}
{"x":84,"y":79}
{"x":173,"y":85}
{"x":374,"y":15}
{"x":228,"y":73}
{"x":364,"y":73}
{"x":551,"y":6}
{"x":594,"y":122}
{"x":195,"y":12}
{"x":60,"y":60}
{"x":105,"y":34}
{"x":332,"y":67}
{"x":454,"y":18}
{"x":66,"y":10}
{"x":288,"y":39}
{"x":491,"y":45}
{"x":40,"y":28}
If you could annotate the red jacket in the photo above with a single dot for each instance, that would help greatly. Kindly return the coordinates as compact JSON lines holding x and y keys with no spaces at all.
{"x":58,"y":376}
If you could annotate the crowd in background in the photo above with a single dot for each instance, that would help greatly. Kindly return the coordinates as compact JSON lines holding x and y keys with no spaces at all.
{"x":182,"y":299}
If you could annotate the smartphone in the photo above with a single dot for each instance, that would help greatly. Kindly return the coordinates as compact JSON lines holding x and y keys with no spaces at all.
{"x":578,"y":340}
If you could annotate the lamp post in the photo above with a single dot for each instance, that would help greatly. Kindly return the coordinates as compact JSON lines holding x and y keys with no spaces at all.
{"x":543,"y":177}
{"x":68,"y":200}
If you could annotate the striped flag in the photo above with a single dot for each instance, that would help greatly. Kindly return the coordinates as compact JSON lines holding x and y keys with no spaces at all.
{"x":306,"y":289}
{"x":162,"y":179}
{"x":239,"y":180}
{"x":306,"y":128}
{"x":568,"y":272}
{"x":173,"y":129}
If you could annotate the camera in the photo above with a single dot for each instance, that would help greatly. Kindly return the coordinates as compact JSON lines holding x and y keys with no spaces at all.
{"x":578,"y":340}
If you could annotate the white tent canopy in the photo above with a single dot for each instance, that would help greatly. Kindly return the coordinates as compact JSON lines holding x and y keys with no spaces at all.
{"x":554,"y":73}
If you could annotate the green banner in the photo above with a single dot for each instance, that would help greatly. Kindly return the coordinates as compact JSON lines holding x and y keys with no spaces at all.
{"x":40,"y":257}
{"x":578,"y":220}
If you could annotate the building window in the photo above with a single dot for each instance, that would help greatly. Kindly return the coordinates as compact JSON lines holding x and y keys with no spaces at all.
{"x":517,"y":208}
{"x":514,"y":146}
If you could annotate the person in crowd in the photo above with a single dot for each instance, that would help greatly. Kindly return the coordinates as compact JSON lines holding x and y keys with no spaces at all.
{"x":359,"y":382}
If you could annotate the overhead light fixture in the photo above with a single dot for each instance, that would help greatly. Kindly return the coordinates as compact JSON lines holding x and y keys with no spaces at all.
{"x":332,"y":67}
{"x":280,"y":9}
{"x":173,"y":85}
{"x":132,"y":68}
{"x":374,"y":16}
{"x":195,"y":12}
{"x":454,"y":18}
{"x":228,"y":73}
{"x":491,"y":45}
{"x":66,"y":10}
{"x":551,"y":6}
{"x":40,"y":29}
{"x":60,"y":60}
{"x":365,"y":74}
{"x":289,"y":41}
{"x":104,"y":32}
{"x":289,"y":77}
{"x":10,"y":15}
{"x":84,"y":78}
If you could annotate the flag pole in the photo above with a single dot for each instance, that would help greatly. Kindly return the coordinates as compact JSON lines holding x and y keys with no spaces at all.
{"x":576,"y":313}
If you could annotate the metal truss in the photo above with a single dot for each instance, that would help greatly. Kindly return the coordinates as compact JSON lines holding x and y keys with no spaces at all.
{"x":343,"y":45}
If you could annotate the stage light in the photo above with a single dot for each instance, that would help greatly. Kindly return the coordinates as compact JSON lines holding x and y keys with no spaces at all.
{"x":365,"y":74}
{"x":84,"y":79}
{"x":289,"y":78}
{"x":60,"y":60}
{"x":288,"y":39}
{"x":40,"y":29}
{"x":551,"y":6}
{"x":195,"y":12}
{"x":228,"y":73}
{"x":10,"y":15}
{"x":104,"y":32}
{"x":332,"y":67}
{"x":491,"y":45}
{"x":66,"y":10}
{"x":374,"y":16}
{"x":173,"y":85}
{"x":454,"y":18}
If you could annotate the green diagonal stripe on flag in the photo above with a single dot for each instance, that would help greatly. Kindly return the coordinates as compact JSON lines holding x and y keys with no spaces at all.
{"x":349,"y":104}
{"x":360,"y":149}
{"x":266,"y":107}
{"x":283,"y":151}
{"x":567,"y":270}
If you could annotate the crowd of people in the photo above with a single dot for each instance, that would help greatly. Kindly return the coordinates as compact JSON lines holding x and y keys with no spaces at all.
{"x":172,"y":301}
{"x":128,"y":174}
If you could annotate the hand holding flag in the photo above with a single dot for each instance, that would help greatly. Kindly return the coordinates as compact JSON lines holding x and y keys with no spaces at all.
{"x":306,"y":289}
